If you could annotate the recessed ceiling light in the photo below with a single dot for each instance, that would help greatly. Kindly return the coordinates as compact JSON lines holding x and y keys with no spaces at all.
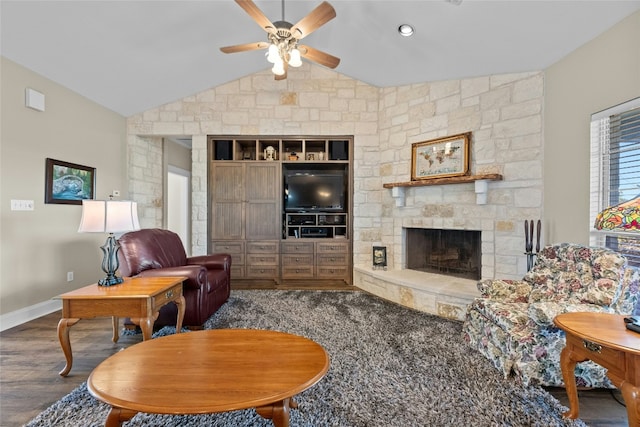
{"x":405,"y":30}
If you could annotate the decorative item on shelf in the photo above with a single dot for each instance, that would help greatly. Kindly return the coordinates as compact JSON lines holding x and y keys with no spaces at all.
{"x":379,"y":257}
{"x":109,"y":216}
{"x":528,"y":242}
{"x":270,"y":153}
{"x":311,"y":156}
{"x":321,"y":155}
{"x":440,"y":157}
{"x":293,"y":156}
{"x":624,"y":216}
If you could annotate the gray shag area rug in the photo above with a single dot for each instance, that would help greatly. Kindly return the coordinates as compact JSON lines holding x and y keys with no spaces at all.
{"x":390,"y":366}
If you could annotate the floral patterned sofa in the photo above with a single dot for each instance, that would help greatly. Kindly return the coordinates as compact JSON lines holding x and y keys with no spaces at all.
{"x":512,"y":322}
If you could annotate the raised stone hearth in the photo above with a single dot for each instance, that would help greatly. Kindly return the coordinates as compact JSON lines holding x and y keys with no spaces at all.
{"x":445,"y":296}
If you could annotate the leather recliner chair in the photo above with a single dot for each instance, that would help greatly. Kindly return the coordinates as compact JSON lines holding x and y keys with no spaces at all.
{"x":157,"y":252}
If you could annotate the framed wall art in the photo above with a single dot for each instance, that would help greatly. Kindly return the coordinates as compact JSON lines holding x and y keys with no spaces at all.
{"x":68,"y":183}
{"x":440,"y":157}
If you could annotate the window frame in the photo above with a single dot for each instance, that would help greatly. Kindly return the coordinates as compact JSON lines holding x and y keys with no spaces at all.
{"x":601,"y":175}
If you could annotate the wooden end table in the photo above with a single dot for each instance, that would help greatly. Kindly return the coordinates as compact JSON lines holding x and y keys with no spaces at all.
{"x":209,"y":371}
{"x":138,"y":298}
{"x":603,"y":339}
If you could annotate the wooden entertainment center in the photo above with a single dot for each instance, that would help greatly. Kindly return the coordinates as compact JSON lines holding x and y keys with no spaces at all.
{"x":267,"y":206}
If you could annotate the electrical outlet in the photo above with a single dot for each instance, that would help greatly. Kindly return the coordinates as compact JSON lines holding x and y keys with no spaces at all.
{"x":70,"y":276}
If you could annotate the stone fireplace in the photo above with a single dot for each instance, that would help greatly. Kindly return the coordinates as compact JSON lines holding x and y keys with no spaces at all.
{"x":450,"y":252}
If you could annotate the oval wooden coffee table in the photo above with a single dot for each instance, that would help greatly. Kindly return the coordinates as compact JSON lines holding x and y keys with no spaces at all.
{"x":209,"y":371}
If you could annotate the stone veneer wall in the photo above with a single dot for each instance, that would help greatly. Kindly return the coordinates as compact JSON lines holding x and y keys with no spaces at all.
{"x":144,"y":155}
{"x":311,"y":101}
{"x":504,"y":112}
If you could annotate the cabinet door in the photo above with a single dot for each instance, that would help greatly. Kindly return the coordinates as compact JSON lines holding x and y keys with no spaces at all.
{"x":227,"y":195}
{"x":262,"y":195}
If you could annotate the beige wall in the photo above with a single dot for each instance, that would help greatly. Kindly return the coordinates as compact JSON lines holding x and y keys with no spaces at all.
{"x":603,"y":73}
{"x":39,"y":247}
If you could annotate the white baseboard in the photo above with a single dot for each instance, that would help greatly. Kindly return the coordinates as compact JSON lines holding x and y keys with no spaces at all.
{"x":26,"y":314}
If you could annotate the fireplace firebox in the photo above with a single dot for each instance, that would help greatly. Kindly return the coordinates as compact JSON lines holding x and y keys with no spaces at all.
{"x":450,"y":252}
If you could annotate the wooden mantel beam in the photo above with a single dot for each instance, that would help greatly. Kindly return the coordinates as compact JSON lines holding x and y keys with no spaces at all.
{"x":447,"y":180}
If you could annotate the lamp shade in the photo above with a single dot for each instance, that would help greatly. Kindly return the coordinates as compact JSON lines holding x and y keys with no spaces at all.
{"x":108,"y":216}
{"x":622,"y":217}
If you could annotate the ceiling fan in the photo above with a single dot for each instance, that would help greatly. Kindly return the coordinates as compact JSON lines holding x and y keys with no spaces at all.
{"x":283,"y":38}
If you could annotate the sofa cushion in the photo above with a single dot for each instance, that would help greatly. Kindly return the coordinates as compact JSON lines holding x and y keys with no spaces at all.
{"x":505,"y":290}
{"x":607,"y":267}
{"x":510,"y":316}
{"x":627,"y":295}
{"x":560,"y":271}
{"x":148,"y":249}
{"x":576,"y":274}
{"x":543,"y":313}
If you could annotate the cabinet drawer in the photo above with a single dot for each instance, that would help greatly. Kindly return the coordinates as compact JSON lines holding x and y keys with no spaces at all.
{"x":329,"y":248}
{"x":262,"y":259}
{"x":332,"y":259}
{"x":237,"y":272}
{"x":300,"y":271}
{"x":229,"y":247}
{"x":237,"y":259}
{"x":262,"y":272}
{"x":168,"y":295}
{"x":262,"y":247}
{"x":297,"y":247}
{"x":297,"y":260}
{"x":333,"y":272}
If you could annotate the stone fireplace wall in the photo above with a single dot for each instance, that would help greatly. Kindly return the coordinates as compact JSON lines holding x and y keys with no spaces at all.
{"x":503,"y":112}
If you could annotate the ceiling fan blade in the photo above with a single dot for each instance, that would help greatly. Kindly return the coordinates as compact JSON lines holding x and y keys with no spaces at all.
{"x":245,"y":47}
{"x":314,"y":20}
{"x":318,"y":56}
{"x":254,"y":12}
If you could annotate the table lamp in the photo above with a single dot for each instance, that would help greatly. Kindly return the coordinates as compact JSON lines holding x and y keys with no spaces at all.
{"x":109,"y":216}
{"x":622,"y":217}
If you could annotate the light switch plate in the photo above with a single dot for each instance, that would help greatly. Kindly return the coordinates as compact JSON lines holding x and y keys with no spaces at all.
{"x":22,"y":205}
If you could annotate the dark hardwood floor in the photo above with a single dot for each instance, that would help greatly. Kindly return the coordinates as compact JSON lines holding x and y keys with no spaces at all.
{"x":30,"y":359}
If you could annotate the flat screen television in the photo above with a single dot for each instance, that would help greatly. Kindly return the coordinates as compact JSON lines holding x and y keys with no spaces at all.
{"x":314,"y":191}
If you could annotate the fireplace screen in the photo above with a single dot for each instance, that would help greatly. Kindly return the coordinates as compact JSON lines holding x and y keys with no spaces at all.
{"x":451,"y":252}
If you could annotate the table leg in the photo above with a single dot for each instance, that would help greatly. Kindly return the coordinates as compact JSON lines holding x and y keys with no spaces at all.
{"x":116,"y":328}
{"x":278,"y":412}
{"x":117,"y":416}
{"x":568,"y":360}
{"x":631,"y":394}
{"x":63,"y":336}
{"x":180,"y":303}
{"x":146,"y":324}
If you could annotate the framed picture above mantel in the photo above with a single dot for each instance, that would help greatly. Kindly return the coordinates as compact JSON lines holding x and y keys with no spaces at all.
{"x":442,"y":157}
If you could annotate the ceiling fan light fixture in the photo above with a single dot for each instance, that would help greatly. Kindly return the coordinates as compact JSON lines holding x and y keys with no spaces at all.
{"x":273,"y":54}
{"x":294,"y":58}
{"x":278,"y":68}
{"x":405,"y":30}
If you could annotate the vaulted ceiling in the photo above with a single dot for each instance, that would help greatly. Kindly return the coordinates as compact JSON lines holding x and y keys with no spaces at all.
{"x":130,"y":56}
